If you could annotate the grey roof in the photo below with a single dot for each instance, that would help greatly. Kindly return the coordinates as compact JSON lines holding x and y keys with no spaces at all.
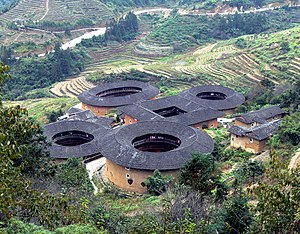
{"x":180,"y":102}
{"x":261,"y":116}
{"x":90,"y":97}
{"x":190,"y":118}
{"x":89,"y":116}
{"x":88,"y":149}
{"x":81,"y":115}
{"x":197,"y":116}
{"x":232,"y":100}
{"x":117,"y":145}
{"x":73,"y":110}
{"x":139,"y":113}
{"x":259,"y":132}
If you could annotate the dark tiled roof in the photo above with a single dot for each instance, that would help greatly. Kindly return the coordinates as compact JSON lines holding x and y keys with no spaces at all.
{"x":73,"y":110}
{"x":117,"y":145}
{"x":190,"y":118}
{"x":84,"y":150}
{"x":81,"y":115}
{"x":259,"y":132}
{"x":89,"y":116}
{"x":90,"y":97}
{"x":139,"y":113}
{"x":165,"y":102}
{"x":232,"y":100}
{"x":197,"y":116}
{"x":261,"y":116}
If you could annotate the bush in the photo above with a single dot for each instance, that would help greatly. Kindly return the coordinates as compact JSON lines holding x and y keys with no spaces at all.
{"x":157,"y":184}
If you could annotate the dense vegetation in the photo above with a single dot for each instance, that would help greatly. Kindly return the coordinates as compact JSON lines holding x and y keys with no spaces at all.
{"x":205,"y":200}
{"x":124,"y":29}
{"x":5,"y":5}
{"x":31,"y":72}
{"x":184,"y":31}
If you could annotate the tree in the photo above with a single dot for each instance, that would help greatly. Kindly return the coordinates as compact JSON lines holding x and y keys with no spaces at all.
{"x":278,"y":200}
{"x":53,"y":115}
{"x":22,"y":146}
{"x":289,"y":131}
{"x":199,"y":173}
{"x":237,"y":215}
{"x":157,"y":184}
{"x":3,"y":76}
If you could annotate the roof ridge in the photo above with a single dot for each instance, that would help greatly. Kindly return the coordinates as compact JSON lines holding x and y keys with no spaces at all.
{"x":150,"y":111}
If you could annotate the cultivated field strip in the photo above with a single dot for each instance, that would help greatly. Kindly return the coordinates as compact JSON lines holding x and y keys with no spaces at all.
{"x":71,"y":87}
{"x":58,"y":11}
{"x":72,"y":10}
{"x":25,"y":10}
{"x":294,"y":69}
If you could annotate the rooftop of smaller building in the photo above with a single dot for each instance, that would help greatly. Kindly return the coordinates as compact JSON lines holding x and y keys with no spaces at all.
{"x":175,"y":109}
{"x":154,"y":145}
{"x":74,"y":138}
{"x":88,"y":116}
{"x":214,"y":96}
{"x":261,"y":116}
{"x":180,"y":104}
{"x":118,"y":94}
{"x":259,"y":132}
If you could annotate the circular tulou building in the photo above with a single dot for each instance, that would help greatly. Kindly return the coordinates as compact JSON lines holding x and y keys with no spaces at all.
{"x":215,"y":96}
{"x":134,"y":151}
{"x":101,"y":99}
{"x":74,"y":139}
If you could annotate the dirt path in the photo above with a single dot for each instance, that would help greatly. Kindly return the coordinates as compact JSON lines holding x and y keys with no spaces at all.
{"x":18,"y":36}
{"x":47,"y":10}
{"x":92,"y":167}
{"x":295,"y":161}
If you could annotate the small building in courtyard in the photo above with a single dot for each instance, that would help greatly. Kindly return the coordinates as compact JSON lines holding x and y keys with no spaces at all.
{"x":175,"y":109}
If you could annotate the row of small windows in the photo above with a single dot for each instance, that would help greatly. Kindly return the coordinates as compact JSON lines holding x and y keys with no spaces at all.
{"x":130,"y":180}
{"x":250,"y":139}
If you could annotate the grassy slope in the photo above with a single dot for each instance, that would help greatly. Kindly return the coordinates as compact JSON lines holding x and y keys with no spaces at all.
{"x":38,"y":108}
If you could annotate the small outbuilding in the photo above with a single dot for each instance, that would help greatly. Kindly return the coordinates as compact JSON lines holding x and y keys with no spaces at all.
{"x":74,"y":139}
{"x":134,"y":151}
{"x":264,"y":115}
{"x":253,"y":139}
{"x":214,"y":96}
{"x":102,"y":99}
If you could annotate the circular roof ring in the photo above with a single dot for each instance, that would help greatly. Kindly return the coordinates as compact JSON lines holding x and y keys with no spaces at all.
{"x":154,"y":145}
{"x":74,"y":138}
{"x":118,"y":94}
{"x":214,"y":96}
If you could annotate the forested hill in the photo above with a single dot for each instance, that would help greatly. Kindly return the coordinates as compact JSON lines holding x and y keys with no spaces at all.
{"x":208,"y":4}
{"x":5,"y":5}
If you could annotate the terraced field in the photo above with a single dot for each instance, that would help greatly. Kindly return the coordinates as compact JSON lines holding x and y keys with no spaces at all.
{"x":219,"y":63}
{"x":294,"y":68}
{"x":58,"y":11}
{"x":72,"y":10}
{"x":25,"y":10}
{"x":37,"y":108}
{"x":71,"y":87}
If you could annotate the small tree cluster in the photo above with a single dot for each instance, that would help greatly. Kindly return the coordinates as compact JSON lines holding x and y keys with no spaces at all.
{"x":157,"y":184}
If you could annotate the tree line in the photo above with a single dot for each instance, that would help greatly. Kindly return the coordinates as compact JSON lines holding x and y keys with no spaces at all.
{"x":32,"y":72}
